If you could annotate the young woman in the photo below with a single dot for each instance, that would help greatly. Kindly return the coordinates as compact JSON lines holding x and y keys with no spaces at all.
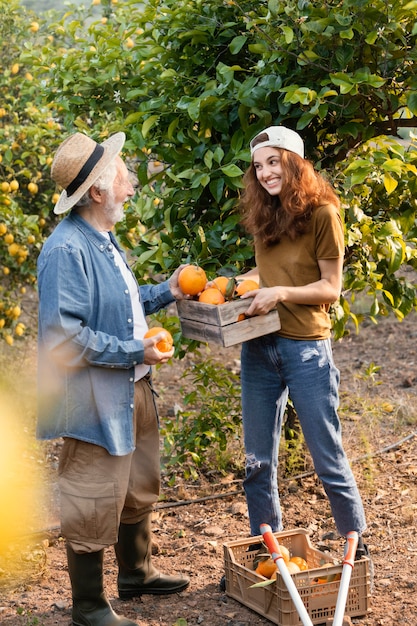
{"x":294,"y":218}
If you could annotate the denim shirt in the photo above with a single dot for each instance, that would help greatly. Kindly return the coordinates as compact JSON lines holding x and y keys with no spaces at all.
{"x":86,"y":350}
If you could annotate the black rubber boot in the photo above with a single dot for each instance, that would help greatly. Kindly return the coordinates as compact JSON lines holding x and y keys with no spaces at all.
{"x":90,"y":606}
{"x":137,"y":575}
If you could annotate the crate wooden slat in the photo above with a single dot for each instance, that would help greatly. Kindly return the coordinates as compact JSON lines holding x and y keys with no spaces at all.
{"x":220,"y":323}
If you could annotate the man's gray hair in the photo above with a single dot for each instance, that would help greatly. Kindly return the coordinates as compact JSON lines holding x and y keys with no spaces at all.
{"x":103,"y":182}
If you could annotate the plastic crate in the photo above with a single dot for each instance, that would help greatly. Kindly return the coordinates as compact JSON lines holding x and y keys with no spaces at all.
{"x":274,"y":601}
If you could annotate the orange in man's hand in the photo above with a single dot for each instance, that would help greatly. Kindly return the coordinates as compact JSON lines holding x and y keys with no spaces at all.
{"x":192,"y":279}
{"x":165,"y":344}
{"x":246,"y":285}
{"x":211,"y":295}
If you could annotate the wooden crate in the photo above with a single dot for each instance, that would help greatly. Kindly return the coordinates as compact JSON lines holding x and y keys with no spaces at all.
{"x":221,"y":324}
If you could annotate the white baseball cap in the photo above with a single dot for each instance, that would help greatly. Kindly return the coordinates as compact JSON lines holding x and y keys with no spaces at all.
{"x":279,"y":137}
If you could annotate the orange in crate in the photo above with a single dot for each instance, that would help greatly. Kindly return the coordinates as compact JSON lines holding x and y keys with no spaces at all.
{"x":274,"y":601}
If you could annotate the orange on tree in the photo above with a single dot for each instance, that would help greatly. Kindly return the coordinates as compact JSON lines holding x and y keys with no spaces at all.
{"x":165,"y":344}
{"x":211,"y":295}
{"x":33,"y":188}
{"x":246,"y":285}
{"x":192,"y":279}
{"x":13,"y":249}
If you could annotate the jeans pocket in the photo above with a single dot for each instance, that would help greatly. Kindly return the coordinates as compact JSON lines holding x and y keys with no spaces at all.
{"x":88,"y":511}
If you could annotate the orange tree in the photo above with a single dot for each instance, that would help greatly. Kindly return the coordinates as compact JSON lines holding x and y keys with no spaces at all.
{"x":191,"y":82}
{"x":28,"y":132}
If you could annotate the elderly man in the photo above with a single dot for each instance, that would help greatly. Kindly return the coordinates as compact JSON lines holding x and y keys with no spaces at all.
{"x":95,"y":386}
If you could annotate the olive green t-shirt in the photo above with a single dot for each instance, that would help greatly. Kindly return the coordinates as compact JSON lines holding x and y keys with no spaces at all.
{"x":294,"y":263}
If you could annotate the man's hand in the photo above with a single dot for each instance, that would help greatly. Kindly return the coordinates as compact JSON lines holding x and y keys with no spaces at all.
{"x":153,"y":356}
{"x":174,"y":287}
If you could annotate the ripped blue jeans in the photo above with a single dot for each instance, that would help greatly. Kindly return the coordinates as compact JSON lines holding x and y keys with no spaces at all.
{"x":274,"y":367}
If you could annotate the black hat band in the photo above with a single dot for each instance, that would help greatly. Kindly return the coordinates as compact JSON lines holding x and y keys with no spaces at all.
{"x":86,"y":170}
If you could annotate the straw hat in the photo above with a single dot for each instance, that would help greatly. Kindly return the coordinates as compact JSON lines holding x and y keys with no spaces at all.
{"x":77,"y":164}
{"x":279,"y":137}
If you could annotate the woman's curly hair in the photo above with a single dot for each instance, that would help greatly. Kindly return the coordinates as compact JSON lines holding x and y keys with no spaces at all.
{"x":267,"y":218}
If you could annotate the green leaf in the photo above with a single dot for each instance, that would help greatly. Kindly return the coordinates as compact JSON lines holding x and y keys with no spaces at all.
{"x":264,"y":583}
{"x":133,"y":118}
{"x":173,"y":127}
{"x":231,"y":170}
{"x":237,"y":44}
{"x":132,"y":94}
{"x":257,"y":48}
{"x":305,"y":120}
{"x":189,"y":173}
{"x":371,"y":37}
{"x":148,"y":124}
{"x":216,"y":188}
{"x":412,"y":102}
{"x":343,"y":81}
{"x":347,"y":34}
{"x":170,"y":73}
{"x":288,"y":34}
{"x":208,"y":159}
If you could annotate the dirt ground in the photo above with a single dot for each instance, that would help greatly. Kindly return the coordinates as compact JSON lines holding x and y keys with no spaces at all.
{"x":194,"y":519}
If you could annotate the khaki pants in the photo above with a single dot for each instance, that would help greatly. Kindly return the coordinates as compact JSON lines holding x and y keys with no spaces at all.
{"x":99,"y":491}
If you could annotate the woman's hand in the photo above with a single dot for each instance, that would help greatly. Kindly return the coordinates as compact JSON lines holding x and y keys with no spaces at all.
{"x":264,"y":300}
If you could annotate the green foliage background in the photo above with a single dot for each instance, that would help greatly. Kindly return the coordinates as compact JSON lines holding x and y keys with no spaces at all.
{"x":190,"y":83}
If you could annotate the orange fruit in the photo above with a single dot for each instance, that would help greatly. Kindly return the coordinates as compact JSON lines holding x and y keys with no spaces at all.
{"x":298,"y":560}
{"x":165,"y":344}
{"x":266,"y":568}
{"x":192,"y":279}
{"x":246,"y":285}
{"x":285,"y":553}
{"x":221,"y":283}
{"x":211,"y":296}
{"x":293,"y":567}
{"x":327,"y":579}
